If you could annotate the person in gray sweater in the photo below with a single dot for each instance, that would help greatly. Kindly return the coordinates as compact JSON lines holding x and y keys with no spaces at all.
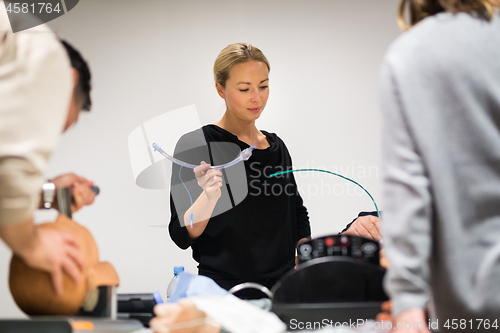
{"x":440,"y":100}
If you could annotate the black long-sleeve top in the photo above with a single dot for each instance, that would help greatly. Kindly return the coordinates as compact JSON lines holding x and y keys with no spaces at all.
{"x":257,"y":222}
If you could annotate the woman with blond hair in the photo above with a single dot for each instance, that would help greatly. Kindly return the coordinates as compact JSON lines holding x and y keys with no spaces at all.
{"x":242,"y":224}
{"x":440,"y":98}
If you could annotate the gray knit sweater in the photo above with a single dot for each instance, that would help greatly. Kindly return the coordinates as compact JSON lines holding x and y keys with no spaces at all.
{"x":440,"y":99}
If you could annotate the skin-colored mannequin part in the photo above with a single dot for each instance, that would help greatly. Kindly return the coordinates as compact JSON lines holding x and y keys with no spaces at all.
{"x":33,"y":290}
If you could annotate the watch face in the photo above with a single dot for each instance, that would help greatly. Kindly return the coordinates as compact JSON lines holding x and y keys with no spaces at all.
{"x":48,"y":187}
{"x":48,"y":192}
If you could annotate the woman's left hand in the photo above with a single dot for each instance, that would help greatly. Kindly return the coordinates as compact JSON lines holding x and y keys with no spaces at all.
{"x":366,"y":226}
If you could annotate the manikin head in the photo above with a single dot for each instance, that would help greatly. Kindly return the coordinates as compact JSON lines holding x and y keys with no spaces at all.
{"x":32,"y":289}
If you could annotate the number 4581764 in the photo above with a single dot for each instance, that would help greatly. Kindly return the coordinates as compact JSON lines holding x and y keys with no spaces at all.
{"x":470,"y":324}
{"x":40,"y":7}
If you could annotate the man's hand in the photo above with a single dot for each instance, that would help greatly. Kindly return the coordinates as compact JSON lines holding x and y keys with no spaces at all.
{"x":82,"y":193}
{"x":55,"y":252}
{"x":183,"y":317}
{"x":209,"y":180}
{"x":366,"y":226}
{"x":415,"y":317}
{"x":46,"y":249}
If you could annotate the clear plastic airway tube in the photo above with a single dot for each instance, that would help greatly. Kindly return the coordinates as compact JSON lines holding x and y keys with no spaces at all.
{"x":243,"y":156}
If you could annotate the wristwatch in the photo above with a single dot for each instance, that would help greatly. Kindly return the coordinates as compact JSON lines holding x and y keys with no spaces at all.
{"x":48,"y":194}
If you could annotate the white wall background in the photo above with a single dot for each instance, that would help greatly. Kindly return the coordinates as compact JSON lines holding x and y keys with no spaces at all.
{"x":151,"y":57}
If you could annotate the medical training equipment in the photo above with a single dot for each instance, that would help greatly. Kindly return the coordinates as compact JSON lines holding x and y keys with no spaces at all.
{"x":338,"y":279}
{"x":243,"y":156}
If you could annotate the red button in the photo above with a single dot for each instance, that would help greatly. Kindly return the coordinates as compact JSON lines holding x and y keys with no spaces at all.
{"x":329,"y":242}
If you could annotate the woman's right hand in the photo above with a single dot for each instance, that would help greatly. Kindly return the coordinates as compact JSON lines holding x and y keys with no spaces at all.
{"x":209,"y":180}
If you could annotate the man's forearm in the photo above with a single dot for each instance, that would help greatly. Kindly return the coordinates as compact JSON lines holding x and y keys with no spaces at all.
{"x":20,"y":237}
{"x":20,"y":184}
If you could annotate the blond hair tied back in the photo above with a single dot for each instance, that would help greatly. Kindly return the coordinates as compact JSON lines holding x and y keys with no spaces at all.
{"x":236,"y":54}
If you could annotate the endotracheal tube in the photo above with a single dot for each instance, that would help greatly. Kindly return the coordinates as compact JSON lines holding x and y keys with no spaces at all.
{"x":244,"y":155}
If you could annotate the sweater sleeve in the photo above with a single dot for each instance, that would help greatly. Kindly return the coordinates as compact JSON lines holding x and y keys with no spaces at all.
{"x":408,"y":208}
{"x":178,"y":233}
{"x":303,"y":225}
{"x":35,"y":88}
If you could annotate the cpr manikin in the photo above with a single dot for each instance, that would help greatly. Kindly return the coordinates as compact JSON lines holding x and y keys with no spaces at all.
{"x":32,"y":289}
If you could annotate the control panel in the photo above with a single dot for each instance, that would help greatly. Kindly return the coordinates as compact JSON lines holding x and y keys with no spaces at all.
{"x":356,"y":247}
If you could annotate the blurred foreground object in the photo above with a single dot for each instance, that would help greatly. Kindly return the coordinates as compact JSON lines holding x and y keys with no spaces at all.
{"x":32,"y":289}
{"x":183,"y":317}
